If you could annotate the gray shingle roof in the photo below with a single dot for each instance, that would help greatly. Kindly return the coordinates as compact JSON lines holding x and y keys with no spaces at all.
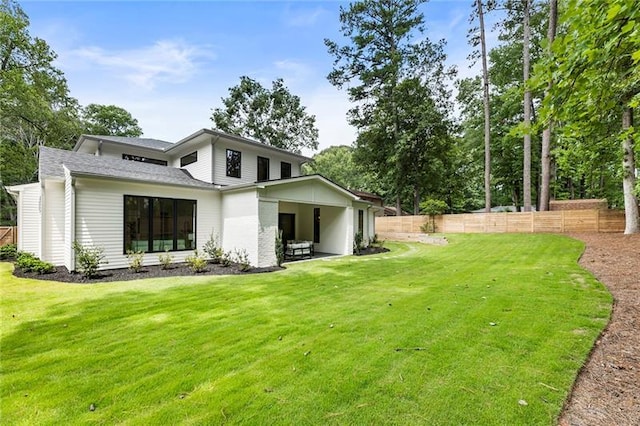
{"x":143,"y":142}
{"x":52,"y":160}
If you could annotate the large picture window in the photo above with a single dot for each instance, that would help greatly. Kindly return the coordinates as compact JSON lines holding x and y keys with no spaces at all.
{"x":234,"y":163}
{"x":263,"y":169}
{"x":153,"y":224}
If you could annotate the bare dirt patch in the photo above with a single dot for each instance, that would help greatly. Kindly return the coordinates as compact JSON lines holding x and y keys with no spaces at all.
{"x":607,"y":391}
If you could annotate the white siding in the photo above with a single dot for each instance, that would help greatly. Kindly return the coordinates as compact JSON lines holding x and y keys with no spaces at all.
{"x":100,"y":210}
{"x":29,"y":219}
{"x":241,"y":223}
{"x":54,"y":222}
{"x":202,"y":168}
{"x":307,"y":191}
{"x":249,"y":164}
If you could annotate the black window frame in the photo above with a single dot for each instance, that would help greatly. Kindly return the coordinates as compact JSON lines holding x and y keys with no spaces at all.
{"x":233,"y":170}
{"x":266,"y":170}
{"x":284,"y":166}
{"x":190,"y":158}
{"x":361,"y":221}
{"x":150,"y":224}
{"x":141,"y":159}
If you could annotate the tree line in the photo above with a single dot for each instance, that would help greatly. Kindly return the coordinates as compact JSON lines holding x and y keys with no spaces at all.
{"x":549,"y":117}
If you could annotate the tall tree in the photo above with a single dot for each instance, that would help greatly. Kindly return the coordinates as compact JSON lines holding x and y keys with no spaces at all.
{"x":526,"y":60}
{"x":274,"y":117}
{"x":382,"y":52}
{"x":545,"y":156}
{"x":109,"y":120}
{"x":35,"y":106}
{"x":337,"y":163}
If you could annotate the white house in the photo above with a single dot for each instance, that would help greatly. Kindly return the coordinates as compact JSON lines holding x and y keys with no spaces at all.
{"x":123,"y":194}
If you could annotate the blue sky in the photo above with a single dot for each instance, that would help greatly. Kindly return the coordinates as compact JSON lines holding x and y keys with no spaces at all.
{"x":169,"y":63}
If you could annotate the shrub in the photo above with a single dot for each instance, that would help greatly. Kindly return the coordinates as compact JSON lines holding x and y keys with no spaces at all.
{"x":88,"y":259}
{"x":358,"y":243}
{"x":28,"y":262}
{"x":241,"y":257}
{"x":212,"y":249}
{"x":225,"y":259}
{"x":196,"y":262}
{"x":432,"y":208}
{"x":279,"y":248}
{"x":8,"y":252}
{"x":136,"y":259}
{"x":165,"y":259}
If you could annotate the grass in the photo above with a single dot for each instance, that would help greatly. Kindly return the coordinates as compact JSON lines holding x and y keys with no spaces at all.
{"x":316,"y":343}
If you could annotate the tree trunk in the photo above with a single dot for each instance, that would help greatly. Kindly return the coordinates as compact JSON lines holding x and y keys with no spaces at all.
{"x":398,"y":206}
{"x":416,"y":200}
{"x":545,"y":163}
{"x":487,"y":123}
{"x":632,"y":223}
{"x":526,"y":170}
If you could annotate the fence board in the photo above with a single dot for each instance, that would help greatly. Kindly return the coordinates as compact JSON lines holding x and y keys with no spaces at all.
{"x":8,"y":235}
{"x":594,"y":220}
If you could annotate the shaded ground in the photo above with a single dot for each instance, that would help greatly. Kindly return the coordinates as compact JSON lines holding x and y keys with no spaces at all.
{"x":607,"y":391}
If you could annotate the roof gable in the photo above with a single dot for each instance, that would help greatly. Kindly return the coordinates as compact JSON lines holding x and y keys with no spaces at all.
{"x":80,"y":164}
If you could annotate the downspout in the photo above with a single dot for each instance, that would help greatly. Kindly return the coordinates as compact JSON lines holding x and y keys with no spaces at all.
{"x":43,"y":225}
{"x":72,"y":224}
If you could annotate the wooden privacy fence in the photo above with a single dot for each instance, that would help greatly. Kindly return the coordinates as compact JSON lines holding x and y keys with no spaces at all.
{"x":8,"y":235}
{"x":551,"y":221}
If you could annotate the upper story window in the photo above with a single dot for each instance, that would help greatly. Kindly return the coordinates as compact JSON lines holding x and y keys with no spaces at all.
{"x":141,"y":159}
{"x":189,"y":159}
{"x":234,"y":163}
{"x":285,"y":170}
{"x":263,"y":169}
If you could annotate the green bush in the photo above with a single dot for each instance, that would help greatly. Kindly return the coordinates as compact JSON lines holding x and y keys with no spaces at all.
{"x":279,"y":248}
{"x":165,"y":259}
{"x":196,"y":262}
{"x":241,"y":257}
{"x":225,"y":259}
{"x":8,"y":252}
{"x":88,"y":259}
{"x":432,"y":208}
{"x":358,"y":243}
{"x":28,"y":262}
{"x":212,"y":249}
{"x":136,"y":260}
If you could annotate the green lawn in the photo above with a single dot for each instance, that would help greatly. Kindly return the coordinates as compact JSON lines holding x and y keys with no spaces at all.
{"x":314,"y":344}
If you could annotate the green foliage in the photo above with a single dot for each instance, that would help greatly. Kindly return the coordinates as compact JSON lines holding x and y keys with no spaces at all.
{"x":337,"y":164}
{"x":136,"y":260}
{"x":358,"y":243}
{"x":88,"y":259}
{"x":165,"y":259}
{"x":396,"y":78}
{"x":432,"y":208}
{"x":28,"y":262}
{"x":241,"y":257}
{"x":8,"y":252}
{"x":226,"y":258}
{"x":279,"y":248}
{"x":274,"y":117}
{"x":213,"y":249}
{"x":109,"y":120}
{"x":196,"y":262}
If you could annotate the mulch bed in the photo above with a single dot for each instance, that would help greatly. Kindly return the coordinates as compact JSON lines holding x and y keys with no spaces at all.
{"x":62,"y":274}
{"x":607,"y":390}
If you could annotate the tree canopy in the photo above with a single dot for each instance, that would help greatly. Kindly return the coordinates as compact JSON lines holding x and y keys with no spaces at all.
{"x":109,"y":120}
{"x":271,"y":116}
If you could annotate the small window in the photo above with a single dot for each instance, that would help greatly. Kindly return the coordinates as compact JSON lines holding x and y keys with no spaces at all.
{"x":360,"y":221}
{"x":189,"y":159}
{"x":141,"y":159}
{"x":285,"y":170}
{"x":234,"y":163}
{"x":263,"y":169}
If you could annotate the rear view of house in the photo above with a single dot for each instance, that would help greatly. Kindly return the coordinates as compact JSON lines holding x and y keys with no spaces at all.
{"x":149,"y":195}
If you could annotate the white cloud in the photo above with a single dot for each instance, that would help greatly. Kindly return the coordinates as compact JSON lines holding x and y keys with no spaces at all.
{"x":302,"y":17}
{"x":164,"y":61}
